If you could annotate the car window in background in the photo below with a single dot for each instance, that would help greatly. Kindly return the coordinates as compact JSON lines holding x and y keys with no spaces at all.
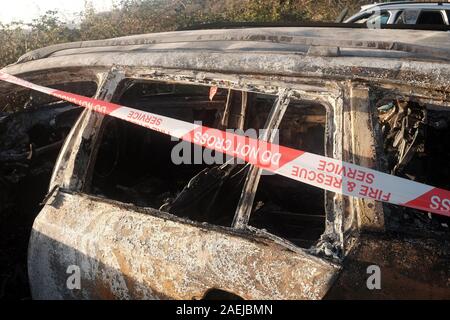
{"x":434,"y":17}
{"x":374,"y":18}
{"x":407,"y":17}
{"x":364,"y":18}
{"x":381,"y":18}
{"x":431,"y":17}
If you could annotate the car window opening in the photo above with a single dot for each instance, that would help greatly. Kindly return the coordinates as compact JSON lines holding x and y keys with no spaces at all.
{"x":33,"y":128}
{"x":416,"y":141}
{"x":135,"y":164}
{"x":289,"y":209}
{"x":28,"y":99}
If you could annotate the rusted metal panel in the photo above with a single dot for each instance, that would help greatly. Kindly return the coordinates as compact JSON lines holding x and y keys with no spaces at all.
{"x":360,"y":149}
{"x":126,"y":254}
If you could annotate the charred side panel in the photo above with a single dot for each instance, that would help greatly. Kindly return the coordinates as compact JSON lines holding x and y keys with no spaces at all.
{"x":124,"y":254}
{"x":410,"y":268}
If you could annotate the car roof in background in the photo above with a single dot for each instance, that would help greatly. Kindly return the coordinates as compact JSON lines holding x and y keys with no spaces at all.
{"x":407,"y":4}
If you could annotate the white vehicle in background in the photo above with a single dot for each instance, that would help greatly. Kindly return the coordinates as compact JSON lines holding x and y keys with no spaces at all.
{"x":403,"y":12}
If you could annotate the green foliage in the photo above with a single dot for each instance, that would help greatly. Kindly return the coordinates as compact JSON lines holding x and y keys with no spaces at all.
{"x":18,"y":38}
{"x":130,"y":17}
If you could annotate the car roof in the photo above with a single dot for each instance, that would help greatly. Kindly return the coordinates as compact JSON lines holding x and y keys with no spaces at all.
{"x":434,"y":44}
{"x":411,"y":57}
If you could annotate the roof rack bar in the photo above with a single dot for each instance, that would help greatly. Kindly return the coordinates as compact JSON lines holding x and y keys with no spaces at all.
{"x":234,"y":25}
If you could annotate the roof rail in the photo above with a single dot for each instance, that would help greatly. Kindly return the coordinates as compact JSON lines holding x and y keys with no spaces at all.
{"x":408,"y":2}
{"x":240,"y":25}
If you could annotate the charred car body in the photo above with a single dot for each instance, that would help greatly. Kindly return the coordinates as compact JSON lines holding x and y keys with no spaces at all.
{"x":139,"y":226}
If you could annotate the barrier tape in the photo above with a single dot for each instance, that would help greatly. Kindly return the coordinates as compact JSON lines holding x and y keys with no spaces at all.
{"x":323,"y":172}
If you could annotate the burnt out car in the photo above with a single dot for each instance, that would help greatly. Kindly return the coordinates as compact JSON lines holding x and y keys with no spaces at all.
{"x":134,"y":224}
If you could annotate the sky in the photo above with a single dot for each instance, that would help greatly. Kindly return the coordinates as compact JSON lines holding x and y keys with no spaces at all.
{"x":27,"y":10}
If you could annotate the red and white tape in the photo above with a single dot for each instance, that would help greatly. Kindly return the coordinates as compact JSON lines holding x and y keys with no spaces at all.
{"x":323,"y":172}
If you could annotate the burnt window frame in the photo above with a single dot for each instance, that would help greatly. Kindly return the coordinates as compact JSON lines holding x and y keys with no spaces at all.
{"x":71,"y":172}
{"x":244,"y":212}
{"x":327,"y":98}
{"x":127,"y":83}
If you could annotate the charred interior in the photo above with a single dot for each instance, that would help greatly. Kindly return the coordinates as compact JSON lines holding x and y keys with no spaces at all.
{"x":136,"y":165}
{"x":416,"y":143}
{"x":294,"y":211}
